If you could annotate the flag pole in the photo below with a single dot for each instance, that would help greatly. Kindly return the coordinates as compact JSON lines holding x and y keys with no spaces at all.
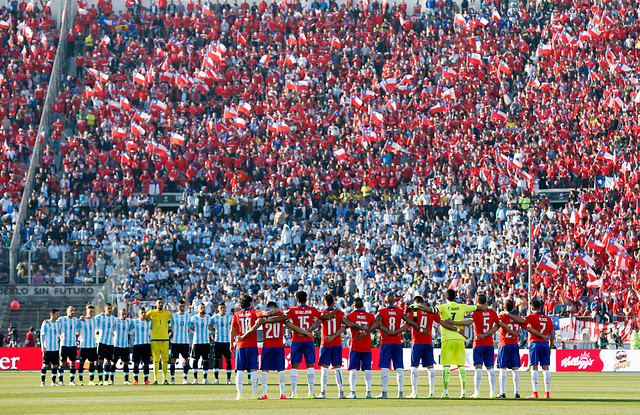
{"x":530,"y":216}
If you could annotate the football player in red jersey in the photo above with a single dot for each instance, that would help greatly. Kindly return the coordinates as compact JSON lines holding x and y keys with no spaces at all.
{"x":508,"y":352}
{"x":390,"y":319}
{"x":541,"y":338}
{"x":304,"y":316}
{"x":360,"y":345}
{"x":273,"y":356}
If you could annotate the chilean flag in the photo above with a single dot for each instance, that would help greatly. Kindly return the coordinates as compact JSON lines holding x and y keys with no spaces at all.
{"x":389,"y":83}
{"x":115,"y":105}
{"x":438,"y":108}
{"x":207,"y":11}
{"x":244,"y":108}
{"x":240,"y":122}
{"x":264,"y":60}
{"x":496,"y":114}
{"x":603,"y":154}
{"x":335,"y":43}
{"x":157,"y":148}
{"x":302,"y":86}
{"x":158,"y":105}
{"x":290,"y":60}
{"x":377,"y":118}
{"x":544,"y":49}
{"x":585,"y":260}
{"x":136,"y":129}
{"x":230,"y":112}
{"x":495,"y":16}
{"x":459,"y":19}
{"x":454,"y":283}
{"x":356,"y":102}
{"x":394,"y":147}
{"x":594,"y":244}
{"x":474,"y":58}
{"x":340,"y":154}
{"x":504,"y":68}
{"x":594,"y":281}
{"x":141,"y":116}
{"x":449,"y":73}
{"x":282,"y":127}
{"x":131,"y":146}
{"x":118,"y":132}
{"x":175,"y":138}
{"x":302,"y":39}
{"x":139,"y":79}
{"x":614,"y":102}
{"x":242,"y":39}
{"x":623,"y":260}
{"x":393,"y":104}
{"x":547,"y":265}
{"x":125,"y":104}
{"x":368,"y":94}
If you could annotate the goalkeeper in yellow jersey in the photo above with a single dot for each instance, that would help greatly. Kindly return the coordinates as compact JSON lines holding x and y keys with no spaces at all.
{"x":452,"y":341}
{"x":160,"y":319}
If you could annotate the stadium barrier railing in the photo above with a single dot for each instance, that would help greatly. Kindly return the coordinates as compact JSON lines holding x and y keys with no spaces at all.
{"x":58,"y":73}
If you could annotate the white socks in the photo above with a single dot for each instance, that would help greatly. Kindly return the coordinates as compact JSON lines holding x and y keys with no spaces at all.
{"x":324,"y":375}
{"x":503,"y":381}
{"x":516,"y":381}
{"x":400,"y":379}
{"x":492,"y":381}
{"x":477,"y":380}
{"x":311,"y":379}
{"x":339,"y":381}
{"x":265,"y":377}
{"x":239,"y":380}
{"x":384,"y":378}
{"x":294,"y":381}
{"x":254,"y":382}
{"x":547,"y":380}
{"x":368,"y":379}
{"x":282,"y":379}
{"x":353,"y":378}
{"x":432,"y":380}
{"x":534,"y":380}
{"x":414,"y":380}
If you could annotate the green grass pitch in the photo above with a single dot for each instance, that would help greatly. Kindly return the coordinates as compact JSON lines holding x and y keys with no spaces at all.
{"x":599,"y":393}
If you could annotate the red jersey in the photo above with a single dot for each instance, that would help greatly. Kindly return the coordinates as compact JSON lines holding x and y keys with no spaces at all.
{"x":329,"y":327}
{"x":392,"y":319}
{"x":272,"y":333}
{"x":424,"y":320}
{"x":243,"y":320}
{"x":483,"y":321}
{"x":540,"y":322}
{"x":505,"y":337}
{"x":302,"y":316}
{"x":363,"y":319}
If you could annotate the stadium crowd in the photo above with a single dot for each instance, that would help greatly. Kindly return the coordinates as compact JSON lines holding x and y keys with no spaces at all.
{"x":320,"y":147}
{"x":28,"y":48}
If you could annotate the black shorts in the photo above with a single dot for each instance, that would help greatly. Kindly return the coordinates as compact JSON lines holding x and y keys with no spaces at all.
{"x":70,"y":353}
{"x":200,"y":351}
{"x":51,"y":358}
{"x":221,"y":350}
{"x":121,"y":353}
{"x":105,"y":351}
{"x":142,"y":354}
{"x":90,"y":354}
{"x":178,"y":350}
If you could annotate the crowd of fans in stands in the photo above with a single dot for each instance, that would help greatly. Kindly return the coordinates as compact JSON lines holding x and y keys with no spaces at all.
{"x":321,"y":147}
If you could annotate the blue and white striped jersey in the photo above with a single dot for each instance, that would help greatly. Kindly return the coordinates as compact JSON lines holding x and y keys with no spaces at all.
{"x":68,"y":327}
{"x":104,"y":324}
{"x":87,"y":333}
{"x":50,"y":335}
{"x":180,"y":328}
{"x":141,"y":331}
{"x":121,"y":332}
{"x":221,"y":327}
{"x":200,"y":326}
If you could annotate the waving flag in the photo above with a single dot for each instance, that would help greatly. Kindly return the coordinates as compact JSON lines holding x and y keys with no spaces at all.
{"x":459,"y":19}
{"x":115,"y":105}
{"x":585,"y":260}
{"x":454,"y":283}
{"x":137,"y":130}
{"x":438,"y":108}
{"x":245,"y":108}
{"x":340,"y":154}
{"x":157,"y":148}
{"x":394,"y":147}
{"x":594,"y":244}
{"x":474,"y":58}
{"x":177,"y":139}
{"x":356,"y":102}
{"x":158,"y":105}
{"x":282,"y":127}
{"x":240,"y":123}
{"x":377,"y":118}
{"x":594,"y":281}
{"x":131,"y":146}
{"x":544,"y":49}
{"x":229,"y":112}
{"x":264,"y":60}
{"x":290,"y":60}
{"x":623,"y":260}
{"x":118,"y":132}
{"x":368,"y":94}
{"x":139,"y":79}
{"x":504,"y":68}
{"x":392,"y":104}
{"x":548,"y":265}
{"x":621,"y":67}
{"x":389,"y":83}
{"x":603,"y":154}
{"x":449,"y":73}
{"x":335,"y":43}
{"x":495,"y":16}
{"x":141,"y":116}
{"x":496,"y":114}
{"x":125,"y":104}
